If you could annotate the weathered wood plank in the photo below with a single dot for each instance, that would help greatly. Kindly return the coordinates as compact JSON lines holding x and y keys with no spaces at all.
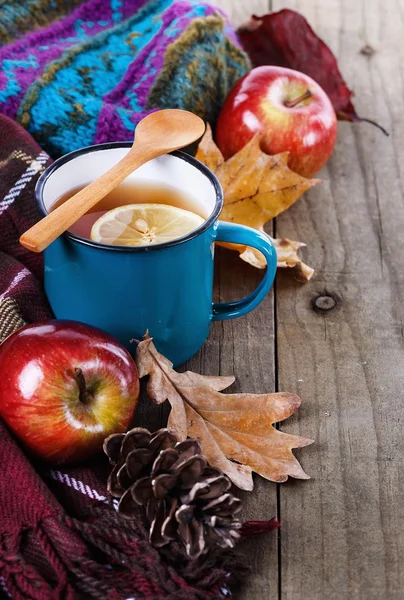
{"x":245,"y":347}
{"x":239,"y":10}
{"x":343,"y":532}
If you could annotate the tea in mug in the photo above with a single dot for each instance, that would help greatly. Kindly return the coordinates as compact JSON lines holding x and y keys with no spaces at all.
{"x":139,"y":214}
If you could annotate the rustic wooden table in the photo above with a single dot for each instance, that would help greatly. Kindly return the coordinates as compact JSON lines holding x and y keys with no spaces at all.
{"x":342,"y":535}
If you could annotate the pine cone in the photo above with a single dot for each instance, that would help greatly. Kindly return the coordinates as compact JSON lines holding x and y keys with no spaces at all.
{"x":184,"y":497}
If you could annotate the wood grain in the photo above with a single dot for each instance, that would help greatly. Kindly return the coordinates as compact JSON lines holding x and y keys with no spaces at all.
{"x":343,"y":532}
{"x":246,"y":347}
{"x":239,"y":10}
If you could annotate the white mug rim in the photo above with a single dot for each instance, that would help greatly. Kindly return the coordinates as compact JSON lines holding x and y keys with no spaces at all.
{"x":52,"y":169}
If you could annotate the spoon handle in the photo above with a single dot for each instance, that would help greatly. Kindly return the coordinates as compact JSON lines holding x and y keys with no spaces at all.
{"x":43,"y":233}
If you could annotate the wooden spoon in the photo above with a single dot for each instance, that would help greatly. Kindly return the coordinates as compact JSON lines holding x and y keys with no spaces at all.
{"x":155,"y":135}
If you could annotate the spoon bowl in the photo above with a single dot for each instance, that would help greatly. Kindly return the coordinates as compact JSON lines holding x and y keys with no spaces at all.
{"x":169,"y":130}
{"x":158,"y":133}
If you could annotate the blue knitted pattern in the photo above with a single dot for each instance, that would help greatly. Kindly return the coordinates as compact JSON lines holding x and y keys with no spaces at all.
{"x":90,"y":76}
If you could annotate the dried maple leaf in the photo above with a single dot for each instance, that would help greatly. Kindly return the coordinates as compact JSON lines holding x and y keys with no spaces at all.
{"x":286,"y":39}
{"x":257,"y":187}
{"x":230,"y":427}
{"x":286,"y":251}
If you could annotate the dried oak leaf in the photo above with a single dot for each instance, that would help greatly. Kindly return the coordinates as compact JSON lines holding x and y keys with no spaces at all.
{"x":230,"y":427}
{"x":257,"y":187}
{"x":286,"y":39}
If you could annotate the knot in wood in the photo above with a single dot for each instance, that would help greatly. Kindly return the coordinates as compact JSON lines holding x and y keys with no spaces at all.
{"x":324,"y":303}
{"x":367,"y":51}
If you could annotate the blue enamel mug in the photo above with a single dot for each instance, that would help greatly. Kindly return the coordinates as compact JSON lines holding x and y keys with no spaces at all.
{"x":164,"y":288}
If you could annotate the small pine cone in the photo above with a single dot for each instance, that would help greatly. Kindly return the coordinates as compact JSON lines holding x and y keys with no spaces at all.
{"x":184,"y":497}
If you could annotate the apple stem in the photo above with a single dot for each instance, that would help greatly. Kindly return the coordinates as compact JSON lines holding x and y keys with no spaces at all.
{"x":292,"y":103}
{"x":84,"y":396}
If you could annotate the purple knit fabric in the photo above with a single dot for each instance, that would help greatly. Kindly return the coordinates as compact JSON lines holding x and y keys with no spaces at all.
{"x":88,"y":77}
{"x":140,"y":69}
{"x":58,"y":37}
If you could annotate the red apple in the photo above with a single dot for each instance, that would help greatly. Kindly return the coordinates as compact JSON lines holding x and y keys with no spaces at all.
{"x":293,"y":112}
{"x":64,"y":387}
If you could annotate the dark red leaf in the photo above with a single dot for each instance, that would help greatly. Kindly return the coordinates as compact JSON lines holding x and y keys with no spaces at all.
{"x":286,"y":39}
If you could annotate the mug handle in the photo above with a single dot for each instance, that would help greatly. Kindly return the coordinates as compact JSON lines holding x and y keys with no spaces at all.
{"x":246,"y":236}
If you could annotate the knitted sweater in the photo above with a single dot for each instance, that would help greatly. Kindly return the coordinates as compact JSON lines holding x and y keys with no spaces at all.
{"x":91,"y":70}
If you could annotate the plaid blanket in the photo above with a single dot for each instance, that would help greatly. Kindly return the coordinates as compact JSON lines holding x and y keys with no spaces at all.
{"x":60,"y":536}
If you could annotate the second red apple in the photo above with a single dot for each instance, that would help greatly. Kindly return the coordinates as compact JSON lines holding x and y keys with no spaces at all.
{"x":291,"y":110}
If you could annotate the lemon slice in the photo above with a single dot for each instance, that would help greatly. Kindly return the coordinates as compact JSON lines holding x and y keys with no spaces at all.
{"x":144,"y":224}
